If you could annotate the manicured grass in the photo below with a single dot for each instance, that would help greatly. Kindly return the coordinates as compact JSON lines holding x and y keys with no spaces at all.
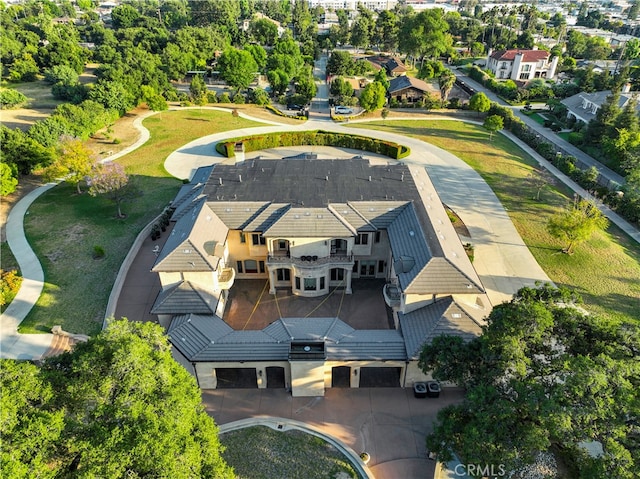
{"x":63,"y":227}
{"x":604,"y":270}
{"x":282,"y":454}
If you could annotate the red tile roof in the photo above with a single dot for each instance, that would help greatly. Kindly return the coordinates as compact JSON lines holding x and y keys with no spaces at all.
{"x":530,"y":56}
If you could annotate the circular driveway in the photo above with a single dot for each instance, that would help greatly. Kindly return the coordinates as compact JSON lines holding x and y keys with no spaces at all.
{"x":502,"y":260}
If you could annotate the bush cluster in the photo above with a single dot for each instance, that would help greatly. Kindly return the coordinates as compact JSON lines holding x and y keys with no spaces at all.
{"x":10,"y":283}
{"x":319,"y":137}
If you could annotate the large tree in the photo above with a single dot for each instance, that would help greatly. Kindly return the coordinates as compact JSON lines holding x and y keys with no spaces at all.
{"x":117,"y":406}
{"x":73,"y":162}
{"x":542,"y":373}
{"x":576,"y":223}
{"x":446,"y":80}
{"x":373,"y":96}
{"x":237,"y":68}
{"x":110,"y":180}
{"x":479,"y":102}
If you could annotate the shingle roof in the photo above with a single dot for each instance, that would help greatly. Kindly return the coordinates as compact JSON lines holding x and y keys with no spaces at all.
{"x":236,"y":214}
{"x":267,"y":217}
{"x":308,"y":222}
{"x":379,"y":213}
{"x":404,"y":82}
{"x":529,"y":56}
{"x":395,"y":65}
{"x":185,"y":297}
{"x":194,"y":243}
{"x":444,"y":316}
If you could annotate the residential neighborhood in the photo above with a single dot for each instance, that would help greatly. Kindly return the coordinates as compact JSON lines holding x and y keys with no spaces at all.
{"x":388,"y":238}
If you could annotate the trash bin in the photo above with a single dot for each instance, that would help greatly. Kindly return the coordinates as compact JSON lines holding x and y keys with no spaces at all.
{"x":433,"y":389}
{"x":420,"y":390}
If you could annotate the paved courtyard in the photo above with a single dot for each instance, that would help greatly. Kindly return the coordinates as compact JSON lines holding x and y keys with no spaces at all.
{"x":251,"y":307}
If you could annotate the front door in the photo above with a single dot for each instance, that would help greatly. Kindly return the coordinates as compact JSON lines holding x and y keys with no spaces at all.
{"x":367,"y":269}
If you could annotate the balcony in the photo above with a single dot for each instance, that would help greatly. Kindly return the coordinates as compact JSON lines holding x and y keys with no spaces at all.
{"x":392,"y":295}
{"x":226,"y":276}
{"x":283,"y":260}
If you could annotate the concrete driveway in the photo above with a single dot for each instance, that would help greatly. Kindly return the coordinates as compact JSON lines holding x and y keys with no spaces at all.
{"x":388,"y":423}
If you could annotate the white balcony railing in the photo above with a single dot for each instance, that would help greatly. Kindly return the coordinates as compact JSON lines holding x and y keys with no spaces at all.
{"x":226,"y":276}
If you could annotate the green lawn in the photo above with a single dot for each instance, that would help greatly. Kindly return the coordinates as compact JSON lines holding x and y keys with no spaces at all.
{"x":63,"y":227}
{"x":276,"y":454}
{"x":604,"y":270}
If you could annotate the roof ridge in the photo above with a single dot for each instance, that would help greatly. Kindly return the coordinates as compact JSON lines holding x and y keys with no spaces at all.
{"x":343,"y":220}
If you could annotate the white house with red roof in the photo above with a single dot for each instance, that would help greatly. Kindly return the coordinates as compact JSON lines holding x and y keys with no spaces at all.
{"x":522,"y":65}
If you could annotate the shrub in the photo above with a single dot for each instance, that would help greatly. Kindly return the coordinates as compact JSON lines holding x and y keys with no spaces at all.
{"x":10,"y":98}
{"x":212,"y":97}
{"x":10,"y":283}
{"x":224,"y":98}
{"x":98,"y":252}
{"x":239,"y":99}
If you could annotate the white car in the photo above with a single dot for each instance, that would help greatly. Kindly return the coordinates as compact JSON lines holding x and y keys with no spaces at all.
{"x":343,"y":110}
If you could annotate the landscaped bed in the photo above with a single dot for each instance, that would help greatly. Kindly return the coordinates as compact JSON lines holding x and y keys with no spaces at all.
{"x":260,"y":452}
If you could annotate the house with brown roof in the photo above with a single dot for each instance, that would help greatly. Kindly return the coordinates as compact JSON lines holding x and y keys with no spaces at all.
{"x":311,"y":227}
{"x":521,"y":65}
{"x":395,"y":67}
{"x":409,"y":89}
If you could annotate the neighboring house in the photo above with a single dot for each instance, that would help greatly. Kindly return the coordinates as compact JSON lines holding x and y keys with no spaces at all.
{"x":410,"y":89}
{"x":584,"y":106}
{"x":312,"y":226}
{"x":395,"y":67}
{"x":246,"y":23}
{"x":521,"y":65}
{"x":357,"y":84}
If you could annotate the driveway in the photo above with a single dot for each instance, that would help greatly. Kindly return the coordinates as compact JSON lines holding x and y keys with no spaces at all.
{"x":388,"y":423}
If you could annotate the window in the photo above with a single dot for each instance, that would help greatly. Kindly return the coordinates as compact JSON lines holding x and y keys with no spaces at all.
{"x":261,"y":265}
{"x":258,"y":239}
{"x":243,"y":238}
{"x":309,"y":284}
{"x":362,"y":238}
{"x":377,"y":240}
{"x":355,"y":266}
{"x":297,"y":282}
{"x":239,"y":266}
{"x":380,"y":266}
{"x":283,"y":274}
{"x":250,"y":266}
{"x":282,"y":244}
{"x":322,"y":282}
{"x":337,"y":274}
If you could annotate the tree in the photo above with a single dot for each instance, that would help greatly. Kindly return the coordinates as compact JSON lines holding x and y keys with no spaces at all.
{"x":381,"y":77}
{"x":124,"y":16}
{"x":198,"y":90}
{"x":386,"y":30}
{"x":493,"y":123}
{"x":109,"y":179}
{"x":479,"y":102}
{"x":634,"y":9}
{"x":542,"y":373}
{"x":577,"y":223}
{"x":373,"y":96}
{"x":264,"y":31}
{"x":446,"y":81}
{"x":340,"y":63}
{"x":73,"y":162}
{"x":116,"y":406}
{"x":30,"y":425}
{"x":279,"y":81}
{"x":237,"y":68}
{"x":8,"y":179}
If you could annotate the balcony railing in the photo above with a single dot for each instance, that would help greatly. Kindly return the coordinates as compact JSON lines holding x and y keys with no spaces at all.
{"x":226,"y":276}
{"x":392,"y":295}
{"x":308,"y":260}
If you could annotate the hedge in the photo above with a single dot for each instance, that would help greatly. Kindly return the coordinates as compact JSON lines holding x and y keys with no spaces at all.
{"x":315,"y":137}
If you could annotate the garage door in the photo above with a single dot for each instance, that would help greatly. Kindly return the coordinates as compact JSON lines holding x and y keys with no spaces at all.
{"x":237,"y":378}
{"x":275,"y":377}
{"x":380,"y":377}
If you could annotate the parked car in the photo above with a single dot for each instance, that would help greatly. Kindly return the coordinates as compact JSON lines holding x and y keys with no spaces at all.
{"x":343,"y":110}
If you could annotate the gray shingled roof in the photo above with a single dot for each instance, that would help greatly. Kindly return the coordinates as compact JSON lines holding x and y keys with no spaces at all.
{"x":237,"y":214}
{"x":194,"y":242}
{"x":407,"y":241}
{"x":403,"y":82}
{"x":574,"y":103}
{"x":267,"y":217}
{"x":208,"y":338}
{"x":186,"y":195}
{"x":308,"y":222}
{"x":444,"y":316}
{"x":349,"y":215}
{"x":185,"y":297}
{"x":440,"y":276}
{"x":379,"y":213}
{"x":202,"y":174}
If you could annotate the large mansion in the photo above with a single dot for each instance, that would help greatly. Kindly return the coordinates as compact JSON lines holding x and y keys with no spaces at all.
{"x":309,"y":226}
